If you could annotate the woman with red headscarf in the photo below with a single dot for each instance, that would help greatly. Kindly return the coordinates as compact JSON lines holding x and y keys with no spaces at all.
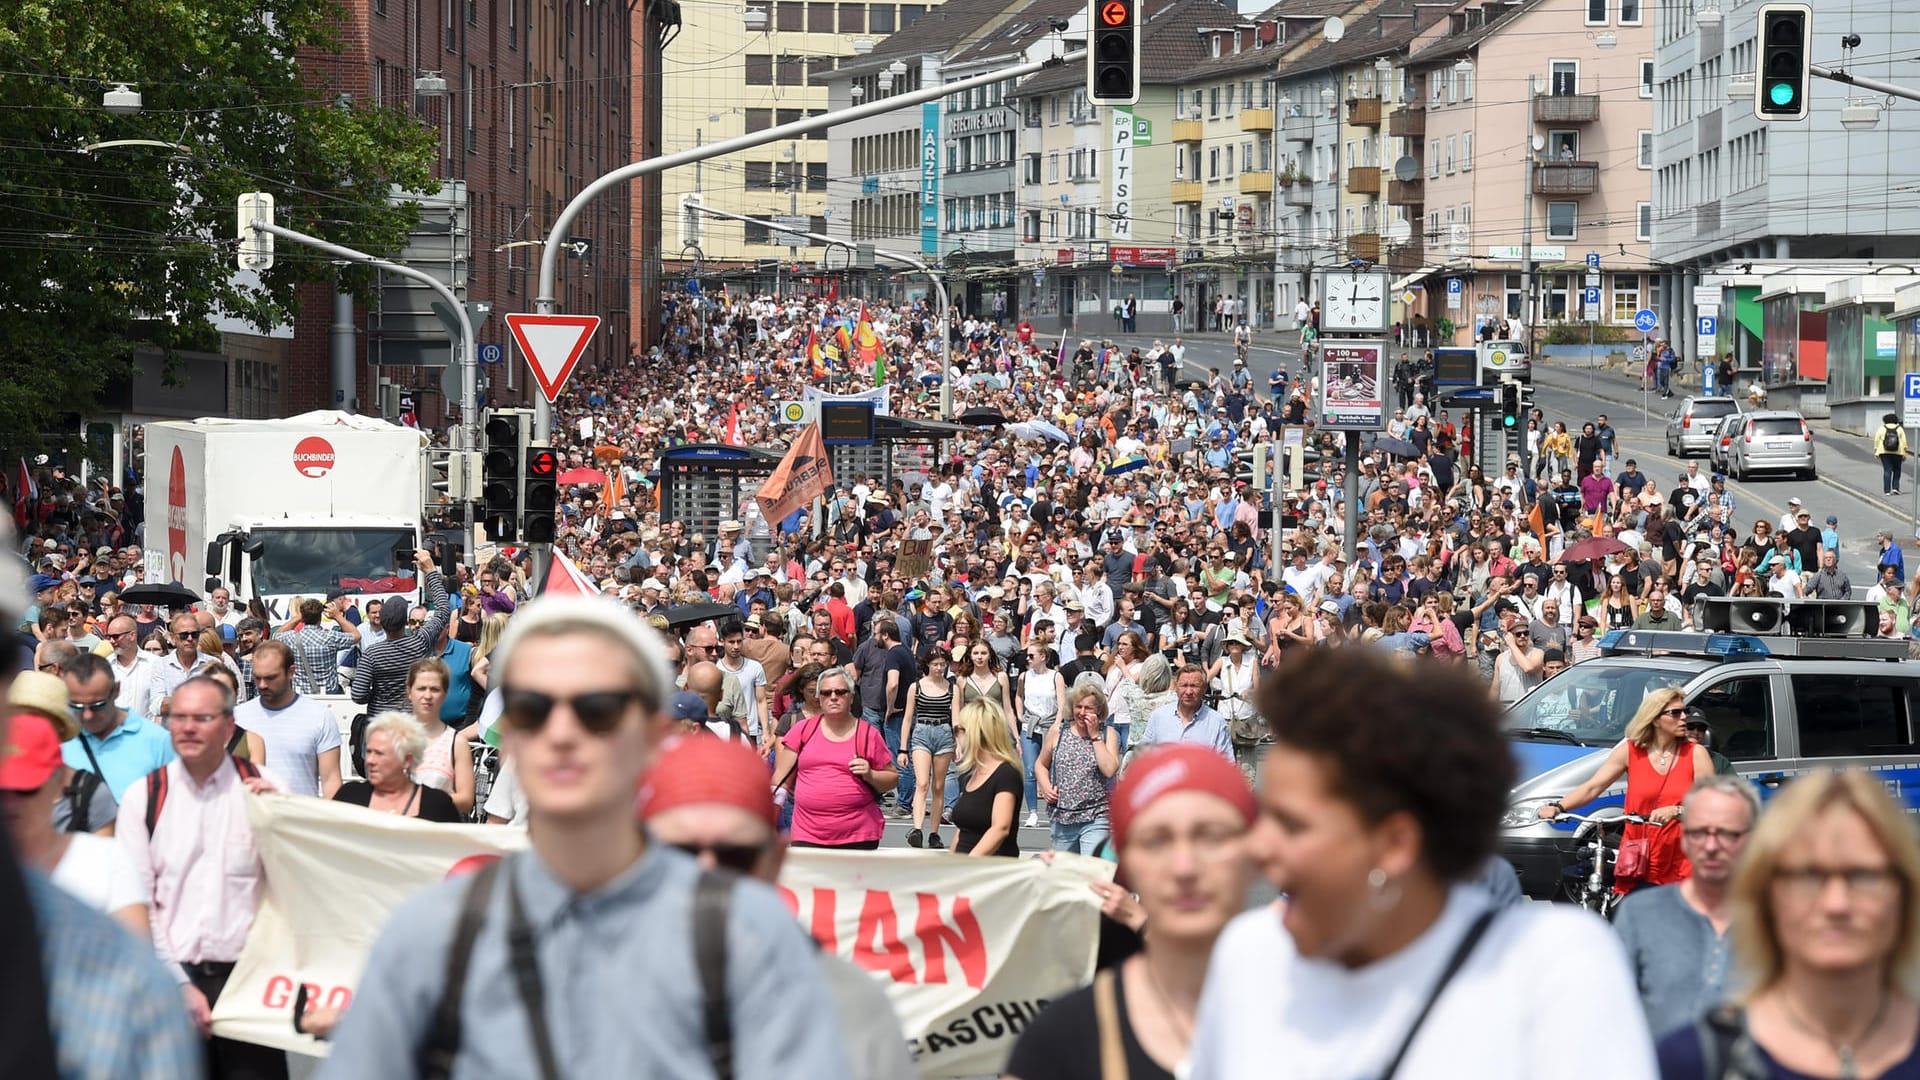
{"x":1180,"y":819}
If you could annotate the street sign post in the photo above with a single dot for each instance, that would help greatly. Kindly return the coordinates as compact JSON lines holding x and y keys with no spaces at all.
{"x":1645,"y":320}
{"x":1910,"y":419}
{"x":1455,"y":291}
{"x":552,"y":345}
{"x":1593,"y":259}
{"x":491,"y":353}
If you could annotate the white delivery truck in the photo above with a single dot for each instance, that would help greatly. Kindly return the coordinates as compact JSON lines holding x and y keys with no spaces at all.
{"x":286,"y":509}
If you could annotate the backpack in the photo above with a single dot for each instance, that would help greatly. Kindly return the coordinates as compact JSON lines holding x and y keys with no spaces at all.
{"x":79,"y":796}
{"x":1890,"y":440}
{"x":712,"y":900}
{"x":157,"y":788}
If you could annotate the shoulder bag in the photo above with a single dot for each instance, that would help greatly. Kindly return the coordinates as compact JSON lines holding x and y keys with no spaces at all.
{"x":1635,"y":858}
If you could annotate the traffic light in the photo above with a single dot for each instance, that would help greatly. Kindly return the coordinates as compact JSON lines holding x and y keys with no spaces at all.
{"x":541,"y":495}
{"x":1510,"y":405}
{"x":1113,"y":52}
{"x":500,"y":475}
{"x":1786,"y":59}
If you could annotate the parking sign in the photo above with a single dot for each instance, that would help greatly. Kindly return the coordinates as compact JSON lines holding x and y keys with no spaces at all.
{"x":1910,"y":400}
{"x":1709,"y":326}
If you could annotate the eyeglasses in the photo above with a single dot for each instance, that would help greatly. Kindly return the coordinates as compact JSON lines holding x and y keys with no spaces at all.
{"x":739,"y":858}
{"x":82,"y":708}
{"x":598,"y":711}
{"x":1718,"y":836}
{"x":1808,"y":882}
{"x":192,"y":718}
{"x":834,"y":693}
{"x":1674,"y":712}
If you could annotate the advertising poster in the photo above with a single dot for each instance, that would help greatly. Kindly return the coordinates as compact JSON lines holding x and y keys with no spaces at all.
{"x":1353,"y":386}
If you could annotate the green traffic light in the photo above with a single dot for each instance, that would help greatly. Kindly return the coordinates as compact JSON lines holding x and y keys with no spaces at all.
{"x":1781,"y":93}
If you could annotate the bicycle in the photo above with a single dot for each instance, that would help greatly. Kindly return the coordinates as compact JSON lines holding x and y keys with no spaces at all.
{"x":1596,"y":857}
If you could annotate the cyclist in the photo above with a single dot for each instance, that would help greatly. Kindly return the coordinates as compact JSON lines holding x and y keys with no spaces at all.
{"x":1242,"y":340}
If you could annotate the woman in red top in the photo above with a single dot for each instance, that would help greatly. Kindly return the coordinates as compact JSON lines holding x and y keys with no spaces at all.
{"x":1659,"y":762}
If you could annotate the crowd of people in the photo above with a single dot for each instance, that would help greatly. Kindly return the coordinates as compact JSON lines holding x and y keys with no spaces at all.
{"x":1117,"y":635}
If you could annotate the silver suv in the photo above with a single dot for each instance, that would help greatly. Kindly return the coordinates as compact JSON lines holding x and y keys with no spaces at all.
{"x":1772,"y":441}
{"x":1690,"y":428}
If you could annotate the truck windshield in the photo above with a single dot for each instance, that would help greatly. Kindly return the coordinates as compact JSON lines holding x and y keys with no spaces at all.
{"x":308,"y":562}
{"x":1589,"y":703}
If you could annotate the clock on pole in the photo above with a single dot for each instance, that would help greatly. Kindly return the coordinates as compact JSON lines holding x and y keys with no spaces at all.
{"x":1355,"y":302}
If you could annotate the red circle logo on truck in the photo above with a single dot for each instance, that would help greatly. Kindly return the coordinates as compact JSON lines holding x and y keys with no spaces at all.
{"x":313,"y":457}
{"x":177,"y":516}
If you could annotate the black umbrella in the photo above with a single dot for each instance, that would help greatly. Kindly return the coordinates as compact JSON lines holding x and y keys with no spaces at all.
{"x":982,"y":416}
{"x":1396,"y":447}
{"x":689,"y":614}
{"x":168,"y":596}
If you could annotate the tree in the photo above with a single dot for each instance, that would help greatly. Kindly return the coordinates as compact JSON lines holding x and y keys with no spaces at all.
{"x":135,"y":245}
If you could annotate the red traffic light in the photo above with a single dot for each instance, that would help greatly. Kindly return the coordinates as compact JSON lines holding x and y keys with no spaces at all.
{"x":542,"y":463}
{"x":1115,"y":13}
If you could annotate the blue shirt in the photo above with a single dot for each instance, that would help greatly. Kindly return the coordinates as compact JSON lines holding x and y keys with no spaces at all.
{"x":1208,"y":728}
{"x":622,"y":988}
{"x":459,"y":661}
{"x":131,"y":751}
{"x":1897,"y":559}
{"x":1678,"y":961}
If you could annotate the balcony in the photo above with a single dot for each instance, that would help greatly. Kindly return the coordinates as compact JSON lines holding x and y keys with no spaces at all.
{"x":1364,"y":246}
{"x":1185,"y":191}
{"x":1566,"y":177}
{"x":1363,"y":111}
{"x":1297,"y":129}
{"x":1408,"y":256}
{"x":1410,"y":122}
{"x":1300,"y":192}
{"x":1256,"y":182}
{"x":1566,"y":108}
{"x":1363,"y":180}
{"x":1406,"y":192}
{"x":1256,"y":119}
{"x":1188,"y":130}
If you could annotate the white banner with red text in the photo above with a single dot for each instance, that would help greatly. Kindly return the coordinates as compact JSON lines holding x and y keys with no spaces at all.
{"x":970,"y":949}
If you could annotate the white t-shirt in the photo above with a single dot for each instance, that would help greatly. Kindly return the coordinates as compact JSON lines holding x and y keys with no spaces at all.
{"x":1497,"y":1020}
{"x":295,"y":737}
{"x":97,"y":872}
{"x":751,"y":678}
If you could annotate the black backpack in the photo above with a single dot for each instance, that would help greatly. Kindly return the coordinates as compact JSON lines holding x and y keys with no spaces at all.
{"x":79,"y":795}
{"x":1890,"y":440}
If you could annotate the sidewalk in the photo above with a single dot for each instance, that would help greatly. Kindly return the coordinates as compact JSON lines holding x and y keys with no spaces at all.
{"x":1846,"y":461}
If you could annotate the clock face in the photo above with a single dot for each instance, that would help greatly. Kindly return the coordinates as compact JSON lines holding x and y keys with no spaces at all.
{"x":1356,"y":302}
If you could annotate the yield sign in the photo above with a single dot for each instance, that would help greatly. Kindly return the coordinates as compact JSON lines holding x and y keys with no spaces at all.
{"x":552,"y":344}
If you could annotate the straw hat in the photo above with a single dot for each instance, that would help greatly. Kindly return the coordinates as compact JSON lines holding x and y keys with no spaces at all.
{"x":40,"y":692}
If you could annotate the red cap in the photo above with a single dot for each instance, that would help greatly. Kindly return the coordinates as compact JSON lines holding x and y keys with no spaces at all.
{"x":1169,"y":769}
{"x":701,"y":769}
{"x":31,"y":754}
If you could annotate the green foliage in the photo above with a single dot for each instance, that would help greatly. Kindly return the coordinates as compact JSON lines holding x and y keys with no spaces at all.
{"x":135,"y":245}
{"x":1575,"y":333}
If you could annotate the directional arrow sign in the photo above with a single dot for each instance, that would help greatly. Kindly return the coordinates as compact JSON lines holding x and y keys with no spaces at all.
{"x":552,"y":344}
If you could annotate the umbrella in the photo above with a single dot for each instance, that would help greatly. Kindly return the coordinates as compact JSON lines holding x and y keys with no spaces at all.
{"x":583,"y":476}
{"x":1126,"y":466}
{"x":1039,"y":429}
{"x":167,"y":596}
{"x":982,"y":416}
{"x":689,"y":614}
{"x":1396,"y":447}
{"x":1591,"y":549}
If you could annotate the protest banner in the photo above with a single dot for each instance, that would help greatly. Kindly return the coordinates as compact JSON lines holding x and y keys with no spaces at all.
{"x":970,"y":950}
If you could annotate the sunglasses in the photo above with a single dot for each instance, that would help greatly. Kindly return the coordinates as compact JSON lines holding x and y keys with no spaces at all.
{"x":834,"y":693}
{"x":599,"y":712}
{"x":739,"y":858}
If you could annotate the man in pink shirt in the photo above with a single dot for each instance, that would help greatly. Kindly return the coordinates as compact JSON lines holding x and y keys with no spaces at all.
{"x":196,"y":864}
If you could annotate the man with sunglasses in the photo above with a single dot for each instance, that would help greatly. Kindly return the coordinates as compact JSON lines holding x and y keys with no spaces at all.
{"x":583,"y":685}
{"x":709,"y":798}
{"x":115,"y":744}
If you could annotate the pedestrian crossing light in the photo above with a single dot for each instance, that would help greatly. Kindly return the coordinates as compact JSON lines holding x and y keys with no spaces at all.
{"x":541,"y":497}
{"x":1509,"y":405}
{"x":500,"y":476}
{"x":1786,"y":58}
{"x":1113,"y":52}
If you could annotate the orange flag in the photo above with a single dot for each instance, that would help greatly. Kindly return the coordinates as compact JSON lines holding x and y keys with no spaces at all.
{"x":1538,"y":522}
{"x":801,"y":477}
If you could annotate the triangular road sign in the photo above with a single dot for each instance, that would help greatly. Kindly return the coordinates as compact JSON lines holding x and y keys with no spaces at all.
{"x":552,"y":344}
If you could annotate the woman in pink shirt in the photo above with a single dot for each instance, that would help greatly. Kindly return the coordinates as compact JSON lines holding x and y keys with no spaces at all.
{"x":837,"y":766}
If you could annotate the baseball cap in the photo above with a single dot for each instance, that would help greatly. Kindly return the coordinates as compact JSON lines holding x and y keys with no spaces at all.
{"x":31,"y":754}
{"x":698,"y":770}
{"x":40,"y":583}
{"x":1794,"y":501}
{"x":1329,"y":607}
{"x":688,"y":705}
{"x":1168,"y":770}
{"x":1832,"y":520}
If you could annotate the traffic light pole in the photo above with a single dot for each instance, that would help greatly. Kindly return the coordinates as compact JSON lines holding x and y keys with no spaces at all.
{"x":466,"y":348}
{"x":545,"y":303}
{"x":1875,"y":85}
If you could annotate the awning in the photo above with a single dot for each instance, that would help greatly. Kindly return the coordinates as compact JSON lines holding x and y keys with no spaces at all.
{"x":1418,"y":275}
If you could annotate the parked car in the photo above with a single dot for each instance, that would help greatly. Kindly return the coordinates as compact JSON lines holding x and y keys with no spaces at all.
{"x":1690,"y":428}
{"x":1723,"y":432}
{"x":1772,"y":441}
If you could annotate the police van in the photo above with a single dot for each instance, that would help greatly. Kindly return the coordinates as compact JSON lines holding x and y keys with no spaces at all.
{"x":1785,"y":686}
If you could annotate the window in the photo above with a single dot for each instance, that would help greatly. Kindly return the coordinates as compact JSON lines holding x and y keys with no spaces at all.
{"x":1451,"y":147}
{"x":1563,"y":146}
{"x":789,"y":15}
{"x":910,"y":14}
{"x":1646,"y":78}
{"x":759,"y":70}
{"x":789,"y":71}
{"x":1213,"y":101}
{"x":472,"y":89}
{"x":1053,"y":167}
{"x":1466,"y":85}
{"x":819,"y":70}
{"x":819,"y":18}
{"x":1433,"y":160}
{"x":1565,"y":78}
{"x":880,"y":19}
{"x":759,"y":175}
{"x":759,"y":234}
{"x":817,"y":178}
{"x":1629,"y":12}
{"x":1626,"y":296}
{"x":759,"y":119}
{"x":1740,"y":712}
{"x":1516,"y":298}
{"x":1852,"y":715}
{"x":788,"y":116}
{"x":1560,"y":220}
{"x":1466,"y":151}
{"x":1646,"y":150}
{"x":1596,"y":12}
{"x":853,"y":18}
{"x":1645,"y":231}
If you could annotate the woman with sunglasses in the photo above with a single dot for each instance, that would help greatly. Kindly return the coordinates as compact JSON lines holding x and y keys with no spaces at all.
{"x":1660,"y":763}
{"x":836,"y":768}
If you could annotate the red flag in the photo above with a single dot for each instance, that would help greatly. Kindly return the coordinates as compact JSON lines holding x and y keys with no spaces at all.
{"x":733,"y":425}
{"x":813,"y":354}
{"x":24,"y":495}
{"x":565,"y":579}
{"x":801,"y":477}
{"x":833,"y":293}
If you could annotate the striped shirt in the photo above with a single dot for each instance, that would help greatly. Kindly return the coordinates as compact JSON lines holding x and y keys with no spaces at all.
{"x":380,"y":680}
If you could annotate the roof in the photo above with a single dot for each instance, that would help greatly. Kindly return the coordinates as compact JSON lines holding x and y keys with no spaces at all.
{"x":1014,"y":35}
{"x":936,"y":31}
{"x":1375,"y":31}
{"x":1170,"y":46}
{"x":1454,"y":46}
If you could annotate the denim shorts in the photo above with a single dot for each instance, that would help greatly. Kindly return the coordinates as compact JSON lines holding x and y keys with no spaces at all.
{"x":935,"y":739}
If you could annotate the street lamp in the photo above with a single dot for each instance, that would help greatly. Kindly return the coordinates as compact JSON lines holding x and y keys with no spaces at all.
{"x":122,"y":100}
{"x":857,"y":92}
{"x":429,"y":82}
{"x":862,"y":46}
{"x":755,"y":19}
{"x":1464,"y":65}
{"x":1860,"y":114}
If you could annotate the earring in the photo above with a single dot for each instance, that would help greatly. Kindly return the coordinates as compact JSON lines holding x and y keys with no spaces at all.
{"x":1385,"y":892}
